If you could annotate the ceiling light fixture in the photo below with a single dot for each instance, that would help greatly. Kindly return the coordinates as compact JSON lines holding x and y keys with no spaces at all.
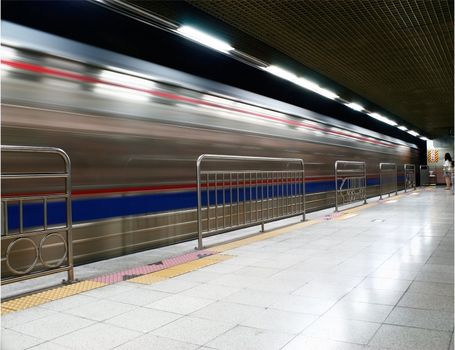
{"x":413,"y":133}
{"x":383,"y":119}
{"x":355,"y":106}
{"x":327,"y":93}
{"x":281,"y":73}
{"x":204,"y":39}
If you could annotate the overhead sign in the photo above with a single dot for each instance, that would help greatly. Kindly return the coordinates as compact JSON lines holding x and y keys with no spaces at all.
{"x":432,"y":156}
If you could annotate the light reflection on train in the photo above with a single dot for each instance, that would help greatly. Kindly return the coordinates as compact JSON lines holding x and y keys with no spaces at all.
{"x":134,"y":138}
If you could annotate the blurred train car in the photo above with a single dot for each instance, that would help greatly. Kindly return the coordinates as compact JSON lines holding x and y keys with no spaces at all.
{"x":134,"y":130}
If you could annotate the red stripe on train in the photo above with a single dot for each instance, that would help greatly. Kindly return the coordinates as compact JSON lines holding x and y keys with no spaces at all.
{"x":75,"y":76}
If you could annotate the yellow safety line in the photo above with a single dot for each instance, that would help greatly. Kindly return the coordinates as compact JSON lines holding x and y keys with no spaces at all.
{"x":36,"y":299}
{"x":241,"y":242}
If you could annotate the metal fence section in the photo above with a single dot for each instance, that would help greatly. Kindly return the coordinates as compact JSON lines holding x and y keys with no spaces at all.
{"x":424,"y":175}
{"x":350,"y":182}
{"x":409,"y":177}
{"x":234,"y":192}
{"x":30,"y":242}
{"x":388,"y":179}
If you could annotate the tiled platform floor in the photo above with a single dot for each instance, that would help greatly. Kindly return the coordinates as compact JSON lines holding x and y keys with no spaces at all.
{"x":381,"y":278}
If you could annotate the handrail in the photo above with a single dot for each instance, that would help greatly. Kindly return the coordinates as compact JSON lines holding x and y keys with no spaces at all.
{"x":247,"y":197}
{"x":355,"y":189}
{"x":388,"y":179}
{"x":23,"y":234}
{"x":409,"y":176}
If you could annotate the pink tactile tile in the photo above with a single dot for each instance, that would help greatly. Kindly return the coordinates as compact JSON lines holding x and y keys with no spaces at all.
{"x":160,"y":265}
{"x":332,"y":216}
{"x":185,"y":258}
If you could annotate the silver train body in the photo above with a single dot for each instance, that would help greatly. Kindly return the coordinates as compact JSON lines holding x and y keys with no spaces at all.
{"x":134,"y":130}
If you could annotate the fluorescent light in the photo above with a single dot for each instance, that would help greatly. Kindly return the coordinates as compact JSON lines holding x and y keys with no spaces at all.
{"x":355,"y":106}
{"x":327,"y":93}
{"x":204,"y":39}
{"x":424,"y":138}
{"x":413,"y":133}
{"x":376,"y":116}
{"x":280,"y":72}
{"x":307,"y":84}
{"x":383,"y":119}
{"x":401,"y":127}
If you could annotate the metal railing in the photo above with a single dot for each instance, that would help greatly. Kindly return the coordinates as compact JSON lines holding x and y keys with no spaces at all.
{"x":243,"y":191}
{"x":350,"y":182}
{"x":31,"y":237}
{"x":388,"y":179}
{"x":424,"y":175}
{"x":409,"y":177}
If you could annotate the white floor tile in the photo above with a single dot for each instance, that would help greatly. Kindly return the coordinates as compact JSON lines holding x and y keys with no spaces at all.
{"x":228,"y":312}
{"x":180,"y":304}
{"x":210,"y":291}
{"x":21,"y":317}
{"x":52,"y":326}
{"x":358,"y":332}
{"x":405,"y":338}
{"x":139,"y":297}
{"x":99,"y":336}
{"x":307,"y":305}
{"x":245,"y":338}
{"x":360,"y":311}
{"x":310,"y":343}
{"x":12,"y":340}
{"x":280,"y":321}
{"x":143,"y":319}
{"x":152,"y":342}
{"x":101,"y":310}
{"x":193,"y":330}
{"x":253,"y":298}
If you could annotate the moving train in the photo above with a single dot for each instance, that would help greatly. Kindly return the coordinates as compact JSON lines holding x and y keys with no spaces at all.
{"x":134,"y":130}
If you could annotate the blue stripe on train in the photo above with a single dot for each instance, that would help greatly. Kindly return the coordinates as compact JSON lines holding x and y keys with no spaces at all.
{"x":87,"y":209}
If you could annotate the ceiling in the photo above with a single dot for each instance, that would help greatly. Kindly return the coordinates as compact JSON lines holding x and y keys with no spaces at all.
{"x":397,"y":54}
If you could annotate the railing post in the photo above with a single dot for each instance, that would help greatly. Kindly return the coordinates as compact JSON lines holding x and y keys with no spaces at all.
{"x":199,"y":201}
{"x":303,"y":190}
{"x":69,"y":213}
{"x":336,"y":186}
{"x":365,"y":171}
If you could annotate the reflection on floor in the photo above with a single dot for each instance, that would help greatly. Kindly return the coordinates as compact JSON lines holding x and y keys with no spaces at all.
{"x":377,"y":278}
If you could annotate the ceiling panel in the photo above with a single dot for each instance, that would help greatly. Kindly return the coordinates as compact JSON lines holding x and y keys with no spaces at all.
{"x":397,"y":54}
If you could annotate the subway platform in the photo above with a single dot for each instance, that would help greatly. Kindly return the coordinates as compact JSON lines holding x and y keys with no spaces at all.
{"x":377,"y":276}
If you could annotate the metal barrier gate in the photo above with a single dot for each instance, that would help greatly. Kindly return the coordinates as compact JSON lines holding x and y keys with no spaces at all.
{"x":26,"y":237}
{"x":350,"y":182}
{"x":409,"y":176}
{"x":388,"y":179}
{"x":424,"y":175}
{"x":246,"y":191}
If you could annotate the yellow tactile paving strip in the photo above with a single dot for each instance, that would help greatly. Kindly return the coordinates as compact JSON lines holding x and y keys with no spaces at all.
{"x":178,"y":270}
{"x":236,"y":244}
{"x":76,"y":288}
{"x":47,"y":296}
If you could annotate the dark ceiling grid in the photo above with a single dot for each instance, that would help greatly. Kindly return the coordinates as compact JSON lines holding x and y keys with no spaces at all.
{"x":398,"y":54}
